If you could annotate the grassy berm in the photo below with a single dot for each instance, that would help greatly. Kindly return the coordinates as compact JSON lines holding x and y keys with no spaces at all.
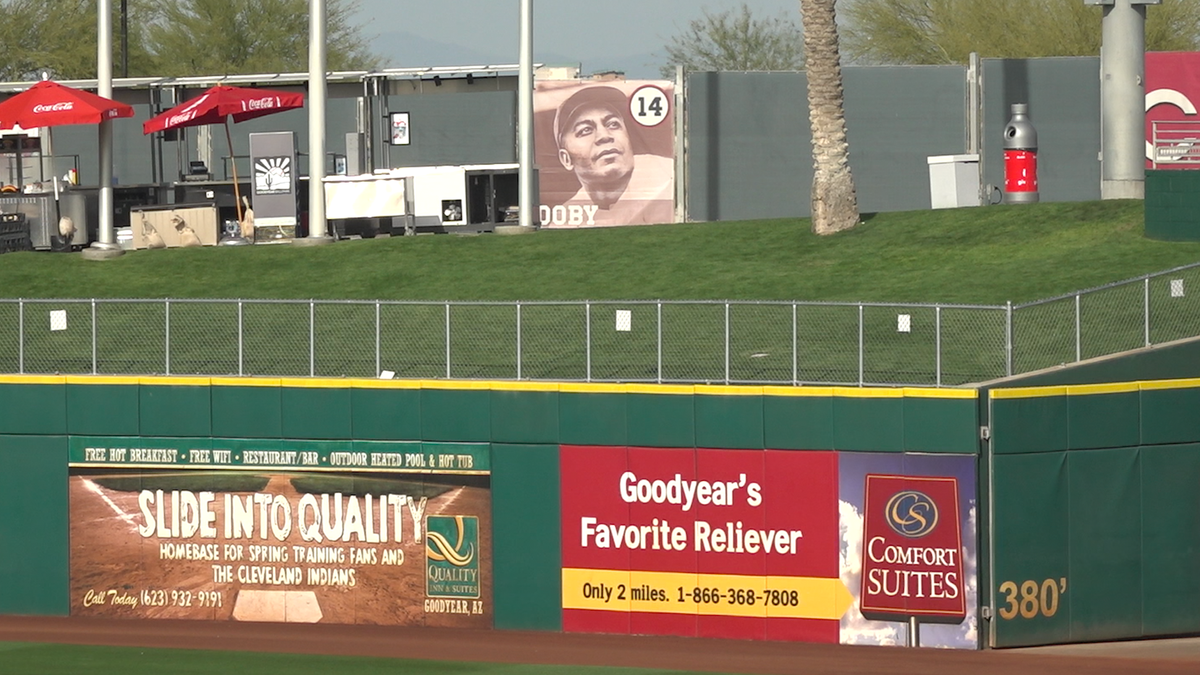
{"x":978,"y":256}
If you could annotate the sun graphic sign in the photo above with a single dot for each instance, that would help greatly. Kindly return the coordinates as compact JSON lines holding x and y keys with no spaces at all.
{"x":273,"y":176}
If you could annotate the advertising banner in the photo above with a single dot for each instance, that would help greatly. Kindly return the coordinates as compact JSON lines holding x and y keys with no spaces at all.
{"x":295,"y":531}
{"x":912,"y":550}
{"x":1173,"y":98}
{"x":894,"y":579}
{"x":605,"y":152}
{"x":713,"y":543}
{"x":741,"y":544}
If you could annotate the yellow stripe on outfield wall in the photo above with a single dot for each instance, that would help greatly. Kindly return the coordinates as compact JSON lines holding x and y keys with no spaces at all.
{"x":705,"y":594}
{"x":385,"y":384}
{"x":930,"y":392}
{"x":465,"y":385}
{"x":591,"y":388}
{"x":1028,"y":392}
{"x":868,"y":392}
{"x":1154,"y":385}
{"x":687,"y":389}
{"x":33,"y":379}
{"x":1092,"y":389}
{"x":172,"y":381}
{"x":246,"y":381}
{"x":524,"y":385}
{"x":803,"y":392}
{"x":314,"y":383}
{"x":727,"y":390}
{"x":101,"y":379}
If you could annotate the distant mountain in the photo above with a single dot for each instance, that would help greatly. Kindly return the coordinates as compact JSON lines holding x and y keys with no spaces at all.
{"x":400,"y":49}
{"x":635,"y":67}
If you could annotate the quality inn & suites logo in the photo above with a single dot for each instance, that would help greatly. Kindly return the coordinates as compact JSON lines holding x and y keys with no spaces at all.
{"x":452,"y":557}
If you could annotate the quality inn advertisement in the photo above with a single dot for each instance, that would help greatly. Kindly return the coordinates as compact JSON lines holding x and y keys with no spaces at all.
{"x":294,"y":531}
{"x":769,"y":545}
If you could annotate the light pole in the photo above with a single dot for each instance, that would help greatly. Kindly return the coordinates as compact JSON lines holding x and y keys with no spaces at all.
{"x":317,"y":96}
{"x":1123,"y":98}
{"x":124,"y":38}
{"x":105,"y":245}
{"x":528,"y":197}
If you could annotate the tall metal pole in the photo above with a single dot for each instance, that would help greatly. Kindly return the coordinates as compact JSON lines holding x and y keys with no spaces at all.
{"x":528,"y":198}
{"x":124,"y":38}
{"x":317,"y":96}
{"x":105,"y":245}
{"x":1123,"y":98}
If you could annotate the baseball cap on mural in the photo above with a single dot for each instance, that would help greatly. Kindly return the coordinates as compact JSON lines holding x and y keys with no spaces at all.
{"x":600,"y":96}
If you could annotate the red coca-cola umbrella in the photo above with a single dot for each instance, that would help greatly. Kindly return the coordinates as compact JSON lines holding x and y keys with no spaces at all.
{"x":216,"y":106}
{"x":50,"y":104}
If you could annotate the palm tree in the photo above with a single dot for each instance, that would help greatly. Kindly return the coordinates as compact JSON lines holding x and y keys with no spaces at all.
{"x":834,"y":202}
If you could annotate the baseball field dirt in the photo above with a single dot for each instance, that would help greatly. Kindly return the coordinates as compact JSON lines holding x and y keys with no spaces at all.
{"x":686,"y":654}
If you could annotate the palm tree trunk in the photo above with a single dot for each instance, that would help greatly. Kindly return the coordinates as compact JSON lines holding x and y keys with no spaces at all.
{"x":834,"y":202}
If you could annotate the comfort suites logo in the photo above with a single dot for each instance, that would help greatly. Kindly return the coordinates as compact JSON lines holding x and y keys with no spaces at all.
{"x":452,"y":557}
{"x":912,"y":550}
{"x":911,"y":514}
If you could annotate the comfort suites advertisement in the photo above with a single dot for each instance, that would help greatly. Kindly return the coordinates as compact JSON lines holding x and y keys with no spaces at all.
{"x":831,"y":547}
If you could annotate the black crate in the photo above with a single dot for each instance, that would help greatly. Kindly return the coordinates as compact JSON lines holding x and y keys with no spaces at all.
{"x":14,"y":233}
{"x":13,"y":223}
{"x":15,"y":241}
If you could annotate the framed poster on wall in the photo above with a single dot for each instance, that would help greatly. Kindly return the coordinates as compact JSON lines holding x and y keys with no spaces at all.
{"x":401,"y":131}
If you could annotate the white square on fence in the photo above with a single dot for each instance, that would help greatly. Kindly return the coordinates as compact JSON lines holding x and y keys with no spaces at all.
{"x":387,"y":375}
{"x":903,"y":323}
{"x":624,"y":320}
{"x":58,"y":319}
{"x":1177,"y":288}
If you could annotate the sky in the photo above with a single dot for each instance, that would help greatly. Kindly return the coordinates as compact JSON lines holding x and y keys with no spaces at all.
{"x":623,"y":35}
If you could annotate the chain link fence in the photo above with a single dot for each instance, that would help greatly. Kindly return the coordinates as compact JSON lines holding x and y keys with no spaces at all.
{"x":658,"y":342}
{"x":1141,"y":312}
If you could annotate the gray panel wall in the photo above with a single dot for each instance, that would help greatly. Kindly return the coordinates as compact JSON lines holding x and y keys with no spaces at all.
{"x":131,"y":149}
{"x":456,"y":128}
{"x":897,"y":117}
{"x":749,"y":139}
{"x":1064,"y":105}
{"x":749,"y":152}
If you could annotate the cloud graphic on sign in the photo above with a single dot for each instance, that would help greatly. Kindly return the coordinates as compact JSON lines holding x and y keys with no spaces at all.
{"x":858,"y":630}
{"x":855,"y":629}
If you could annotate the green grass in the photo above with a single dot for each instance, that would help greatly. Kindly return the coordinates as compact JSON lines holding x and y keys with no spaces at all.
{"x":18,"y":658}
{"x":973,"y":256}
{"x":980,"y":256}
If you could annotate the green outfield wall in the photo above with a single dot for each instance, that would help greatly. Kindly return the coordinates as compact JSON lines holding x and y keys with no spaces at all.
{"x":1089,"y":520}
{"x":524,"y":425}
{"x":1095,"y":511}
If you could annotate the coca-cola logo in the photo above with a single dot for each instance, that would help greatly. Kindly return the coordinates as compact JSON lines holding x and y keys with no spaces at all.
{"x":54,"y":107}
{"x":261,"y":103}
{"x":179,"y":119}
